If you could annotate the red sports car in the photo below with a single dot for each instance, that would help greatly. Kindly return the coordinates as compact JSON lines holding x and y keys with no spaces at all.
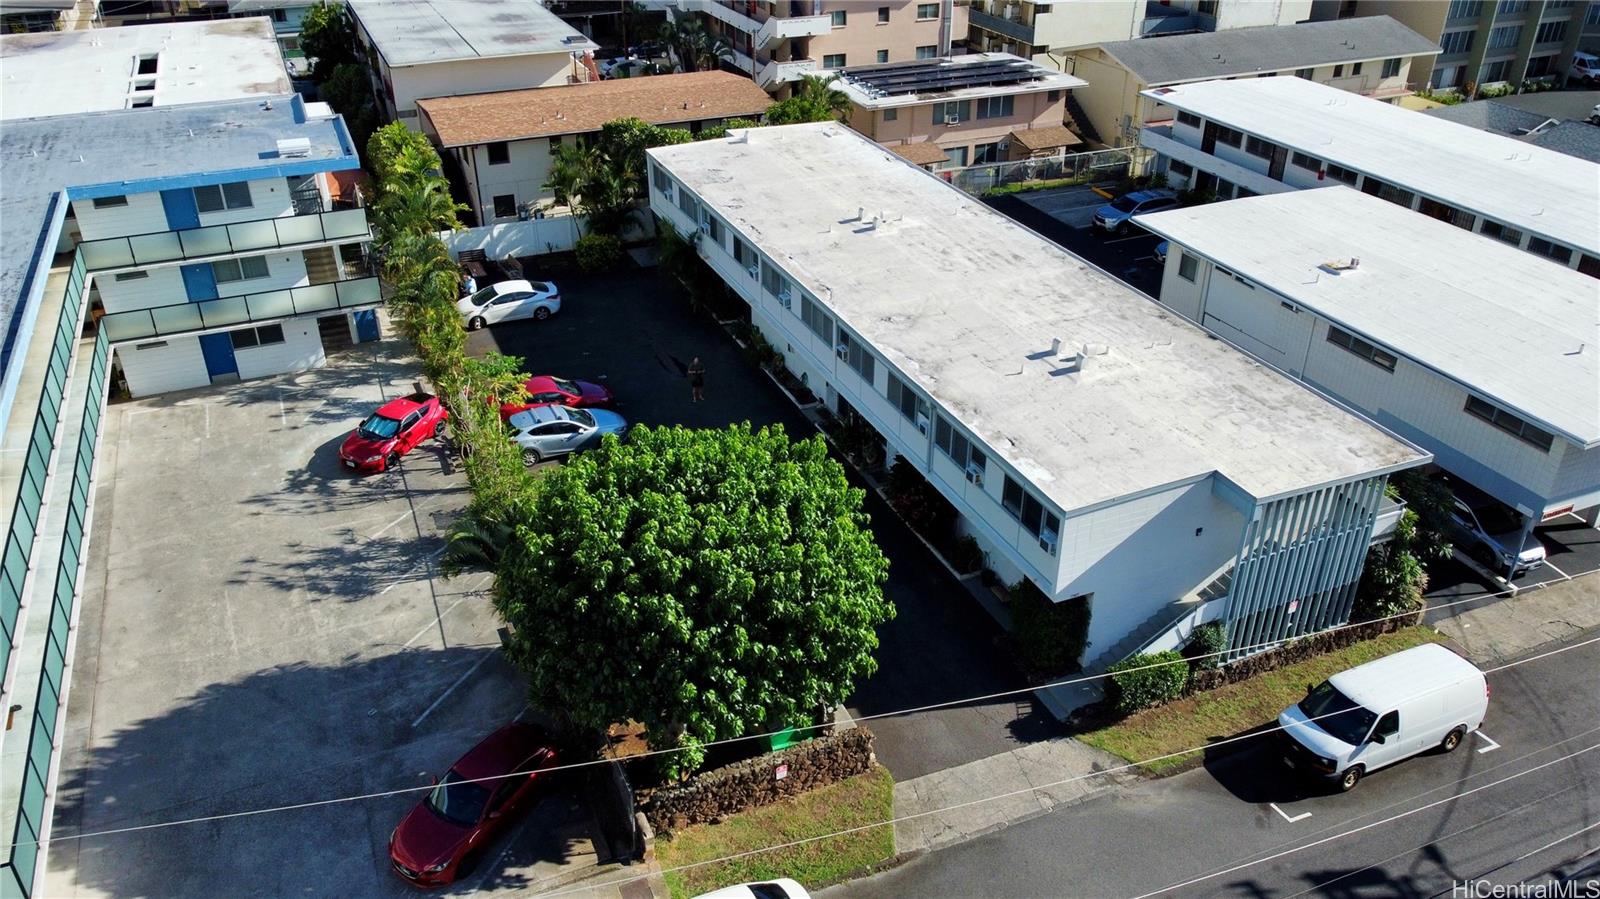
{"x":392,"y":431}
{"x":441,"y":838}
{"x":546,"y":390}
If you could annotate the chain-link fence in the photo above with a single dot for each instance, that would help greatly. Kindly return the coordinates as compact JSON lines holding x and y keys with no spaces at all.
{"x":1081,"y":168}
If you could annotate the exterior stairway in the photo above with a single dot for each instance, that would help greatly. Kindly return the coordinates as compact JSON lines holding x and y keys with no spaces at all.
{"x":322,"y":267}
{"x":334,"y":331}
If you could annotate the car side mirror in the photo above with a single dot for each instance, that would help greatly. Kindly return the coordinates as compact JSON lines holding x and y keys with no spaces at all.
{"x":1379,"y":738}
{"x":1309,"y":688}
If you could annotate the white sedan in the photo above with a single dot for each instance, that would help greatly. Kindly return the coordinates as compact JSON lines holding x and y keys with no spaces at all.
{"x":782,"y":888}
{"x":508,"y":301}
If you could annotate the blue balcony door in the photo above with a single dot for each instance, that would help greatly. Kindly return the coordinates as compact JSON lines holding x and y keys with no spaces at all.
{"x":366,"y":325}
{"x":218,"y":350}
{"x":182,"y":213}
{"x":199,"y":282}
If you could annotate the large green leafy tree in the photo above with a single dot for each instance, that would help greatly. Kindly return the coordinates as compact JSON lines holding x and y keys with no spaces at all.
{"x":706,"y":583}
{"x":605,"y":179}
{"x":815,"y":99}
{"x":1396,"y":571}
{"x":328,"y":37}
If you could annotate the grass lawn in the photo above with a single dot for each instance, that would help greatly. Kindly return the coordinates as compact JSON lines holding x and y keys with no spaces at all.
{"x":864,"y":799}
{"x":1226,"y":711}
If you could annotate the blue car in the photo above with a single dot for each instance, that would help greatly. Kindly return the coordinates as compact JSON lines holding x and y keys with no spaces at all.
{"x":549,"y":432}
{"x":1115,"y":215}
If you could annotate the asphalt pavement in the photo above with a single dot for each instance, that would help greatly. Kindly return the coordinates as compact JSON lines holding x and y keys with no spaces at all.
{"x":1511,"y":804}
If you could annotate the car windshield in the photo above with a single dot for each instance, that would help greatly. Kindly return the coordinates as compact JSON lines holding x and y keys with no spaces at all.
{"x":376,"y":427}
{"x":1337,"y":714}
{"x":568,"y":387}
{"x":459,"y":800}
{"x":483,"y":296}
{"x":581,"y":417}
{"x":1498,"y":519}
{"x":1125,"y":204}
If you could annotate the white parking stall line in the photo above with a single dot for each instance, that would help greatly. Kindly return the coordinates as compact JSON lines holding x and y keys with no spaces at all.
{"x":1485,"y":738}
{"x":1300,"y":817}
{"x":459,"y":681}
{"x":434,"y":623}
{"x":1551,"y":565}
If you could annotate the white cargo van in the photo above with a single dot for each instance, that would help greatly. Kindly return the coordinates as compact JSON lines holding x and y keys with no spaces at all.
{"x":1383,"y":712}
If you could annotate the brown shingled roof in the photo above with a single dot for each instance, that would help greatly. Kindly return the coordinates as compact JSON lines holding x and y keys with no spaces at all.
{"x":919,"y":153}
{"x":1046,"y":138}
{"x":579,"y":108}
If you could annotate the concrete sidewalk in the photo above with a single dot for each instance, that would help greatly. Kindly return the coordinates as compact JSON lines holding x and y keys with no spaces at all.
{"x":1515,"y":625}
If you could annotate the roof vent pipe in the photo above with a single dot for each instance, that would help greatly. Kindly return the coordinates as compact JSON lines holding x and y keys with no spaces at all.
{"x":1055,"y":346}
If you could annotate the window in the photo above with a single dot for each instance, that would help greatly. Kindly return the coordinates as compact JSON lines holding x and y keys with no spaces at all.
{"x":883,"y":15}
{"x":1303,"y":161}
{"x":714,"y":229}
{"x":1030,"y":512}
{"x":1255,"y":146}
{"x":1505,"y":37}
{"x":1230,"y":137}
{"x":505,"y":206}
{"x":1355,"y":68}
{"x":247,"y":268}
{"x":1391,"y":68}
{"x":1447,"y":77}
{"x":1550,"y":250}
{"x":955,"y":157}
{"x":960,"y":450}
{"x":1180,"y":169}
{"x":110,"y":202}
{"x":1188,"y":119}
{"x":1540,"y":66}
{"x":773,"y":281}
{"x":217,"y":197}
{"x":1340,"y":173}
{"x":1592,"y":17}
{"x":984,"y":154}
{"x":266,"y":335}
{"x":1304,"y":73}
{"x":890,"y":115}
{"x":856,"y":356}
{"x":132,"y":276}
{"x":147,"y":64}
{"x":1188,"y":266}
{"x":820,"y":323}
{"x":952,"y":111}
{"x":1341,"y":338}
{"x":926,"y":11}
{"x":662,"y":181}
{"x":153,"y":345}
{"x":1052,"y":96}
{"x":1501,"y":232}
{"x":996,"y":107}
{"x":838,"y":18}
{"x":1589,"y":265}
{"x":833,"y":61}
{"x":499,"y":152}
{"x":883,"y":56}
{"x":688,"y":205}
{"x":1550,"y":32}
{"x":902,"y":397}
{"x":1464,"y":9}
{"x":1338,"y":71}
{"x":1507,"y":7}
{"x":928,"y":51}
{"x":743,"y":255}
{"x":1494,"y":71}
{"x":1511,"y":424}
{"x":1455,"y":42}
{"x":1444,"y":212}
{"x":1384,"y":191}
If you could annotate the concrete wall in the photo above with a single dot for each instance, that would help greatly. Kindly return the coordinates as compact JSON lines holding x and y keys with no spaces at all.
{"x":915,"y":124}
{"x":555,"y":234}
{"x":1071,"y":25}
{"x":862,"y":37}
{"x":163,"y":365}
{"x":1250,"y":13}
{"x":408,"y":84}
{"x":269,"y":198}
{"x":144,"y":214}
{"x":301,"y":349}
{"x":164,"y":285}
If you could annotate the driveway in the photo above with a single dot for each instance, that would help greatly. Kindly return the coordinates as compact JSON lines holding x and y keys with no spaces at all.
{"x":632,"y":332}
{"x":1572,"y":549}
{"x":260,"y":628}
{"x":1065,"y":220}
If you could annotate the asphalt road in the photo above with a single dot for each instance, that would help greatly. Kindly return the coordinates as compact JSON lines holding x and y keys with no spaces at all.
{"x":1510,"y":805}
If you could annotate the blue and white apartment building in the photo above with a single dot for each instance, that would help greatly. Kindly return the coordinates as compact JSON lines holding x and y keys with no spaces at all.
{"x":1091,"y":441}
{"x":165,"y":212}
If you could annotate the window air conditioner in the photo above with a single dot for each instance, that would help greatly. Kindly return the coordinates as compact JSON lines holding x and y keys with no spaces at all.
{"x":842,"y":350}
{"x":705,"y":227}
{"x":975,"y":475}
{"x":1047,"y":541}
{"x":952,"y":120}
{"x":783,"y":298}
{"x":753,"y":270}
{"x":922,"y":423}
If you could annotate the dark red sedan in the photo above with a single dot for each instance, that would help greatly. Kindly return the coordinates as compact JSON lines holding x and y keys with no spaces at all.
{"x":441,"y":838}
{"x":394,"y":430}
{"x":546,"y":390}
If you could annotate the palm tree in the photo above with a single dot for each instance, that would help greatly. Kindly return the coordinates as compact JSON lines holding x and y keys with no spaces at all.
{"x":818,"y":91}
{"x":417,"y":205}
{"x":570,"y":172}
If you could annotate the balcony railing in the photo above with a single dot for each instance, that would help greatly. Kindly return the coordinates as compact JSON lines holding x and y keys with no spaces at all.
{"x":223,"y":240}
{"x":776,"y":72}
{"x":1017,"y":31}
{"x":179,"y":318}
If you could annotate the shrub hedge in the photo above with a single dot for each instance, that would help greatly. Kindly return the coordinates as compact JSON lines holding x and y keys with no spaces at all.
{"x":1135,"y":685}
{"x":1050,"y":636}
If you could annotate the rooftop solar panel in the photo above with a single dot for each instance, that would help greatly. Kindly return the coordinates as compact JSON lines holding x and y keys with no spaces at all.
{"x":918,"y":77}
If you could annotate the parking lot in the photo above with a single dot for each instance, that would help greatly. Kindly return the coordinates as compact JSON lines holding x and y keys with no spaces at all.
{"x":1572,"y":549}
{"x":1065,"y":216}
{"x":627,"y":331}
{"x":259,"y":629}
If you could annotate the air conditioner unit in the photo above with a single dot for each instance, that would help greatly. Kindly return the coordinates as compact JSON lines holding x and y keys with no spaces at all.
{"x":783,"y":298}
{"x":705,"y":227}
{"x":1048,"y":541}
{"x":842,"y":350}
{"x":952,"y":120}
{"x":975,"y":475}
{"x":753,"y":270}
{"x":922,"y":423}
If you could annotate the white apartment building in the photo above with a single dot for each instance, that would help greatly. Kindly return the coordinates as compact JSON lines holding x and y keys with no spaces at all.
{"x":445,"y":48}
{"x":1372,"y":56}
{"x":778,"y":42}
{"x":1484,"y":356}
{"x":1048,"y":31}
{"x":1490,"y":42}
{"x":1270,"y":135}
{"x":1092,"y":442}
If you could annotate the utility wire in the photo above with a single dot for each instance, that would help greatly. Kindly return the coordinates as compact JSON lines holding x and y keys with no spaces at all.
{"x":383,"y":794}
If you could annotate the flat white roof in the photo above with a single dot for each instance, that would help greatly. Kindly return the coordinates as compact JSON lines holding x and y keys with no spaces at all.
{"x":415,"y":32}
{"x":965,"y":302}
{"x":53,"y":73}
{"x":852,"y":81}
{"x":1518,"y":184}
{"x":1519,"y":330}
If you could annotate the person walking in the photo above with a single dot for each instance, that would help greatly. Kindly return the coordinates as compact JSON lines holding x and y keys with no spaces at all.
{"x":697,"y":380}
{"x":469,"y":285}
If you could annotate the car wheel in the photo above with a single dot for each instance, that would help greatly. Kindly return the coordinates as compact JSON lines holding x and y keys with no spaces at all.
{"x":391,"y":461}
{"x":1351,"y":777}
{"x":438,"y":429}
{"x":541,"y":313}
{"x":475,"y":323}
{"x":1453,"y":739}
{"x":531,"y":457}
